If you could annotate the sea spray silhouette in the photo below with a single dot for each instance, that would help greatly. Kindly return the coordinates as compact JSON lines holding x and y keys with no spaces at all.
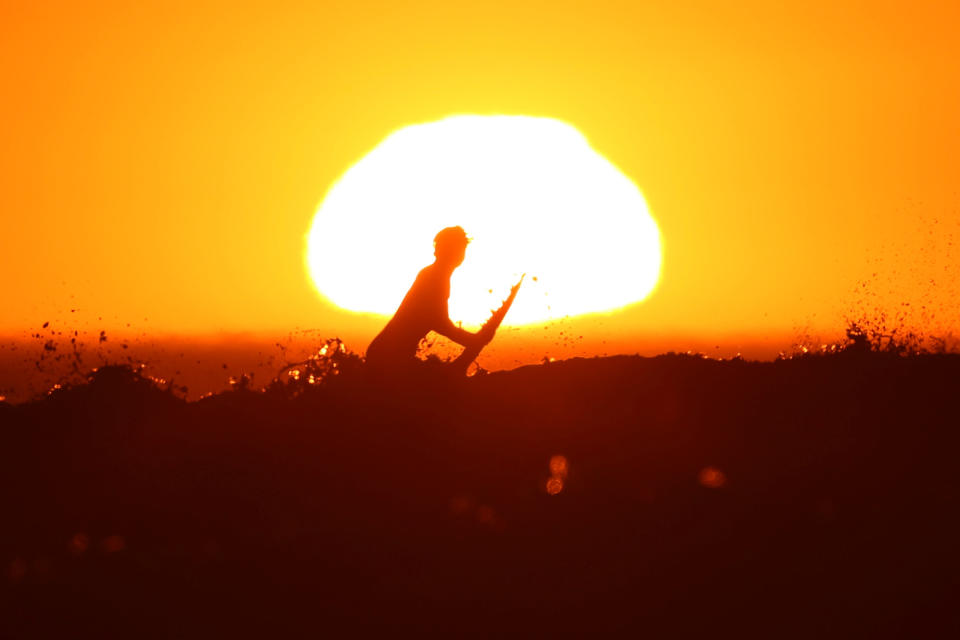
{"x":697,"y":496}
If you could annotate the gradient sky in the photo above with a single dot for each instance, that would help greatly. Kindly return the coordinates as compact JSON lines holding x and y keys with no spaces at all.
{"x":160,"y":162}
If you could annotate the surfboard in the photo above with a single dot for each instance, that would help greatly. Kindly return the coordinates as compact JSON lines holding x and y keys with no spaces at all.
{"x":463,"y":362}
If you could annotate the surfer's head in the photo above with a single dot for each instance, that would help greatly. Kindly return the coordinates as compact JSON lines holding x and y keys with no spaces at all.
{"x":450,"y":246}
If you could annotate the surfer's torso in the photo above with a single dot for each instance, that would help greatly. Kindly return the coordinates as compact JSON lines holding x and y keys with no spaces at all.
{"x":423,"y":309}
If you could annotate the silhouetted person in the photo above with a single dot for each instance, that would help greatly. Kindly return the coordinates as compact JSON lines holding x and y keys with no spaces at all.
{"x":424,"y":309}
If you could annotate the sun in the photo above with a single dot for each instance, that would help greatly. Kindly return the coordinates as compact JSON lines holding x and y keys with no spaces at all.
{"x":531,"y":192}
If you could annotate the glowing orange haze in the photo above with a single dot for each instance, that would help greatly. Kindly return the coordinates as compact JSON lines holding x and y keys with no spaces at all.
{"x":160,"y":164}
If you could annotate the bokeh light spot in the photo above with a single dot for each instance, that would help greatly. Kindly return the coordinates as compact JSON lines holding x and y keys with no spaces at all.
{"x":460,"y":505}
{"x":78,"y":544}
{"x":712,"y":478}
{"x":554,"y":485}
{"x":113,"y":544}
{"x":486,"y":515}
{"x":17,"y":570}
{"x":558,"y":466}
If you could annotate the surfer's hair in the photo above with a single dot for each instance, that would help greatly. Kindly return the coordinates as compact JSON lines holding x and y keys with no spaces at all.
{"x":451,"y":238}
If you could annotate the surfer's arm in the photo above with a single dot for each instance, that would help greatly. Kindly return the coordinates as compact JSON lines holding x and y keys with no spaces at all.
{"x":445,"y":326}
{"x":460,"y":335}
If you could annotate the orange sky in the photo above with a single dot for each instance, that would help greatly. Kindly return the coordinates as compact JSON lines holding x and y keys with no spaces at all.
{"x":160,"y":163}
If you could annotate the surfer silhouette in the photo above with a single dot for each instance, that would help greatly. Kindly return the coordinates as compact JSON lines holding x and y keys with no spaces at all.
{"x":424,"y":309}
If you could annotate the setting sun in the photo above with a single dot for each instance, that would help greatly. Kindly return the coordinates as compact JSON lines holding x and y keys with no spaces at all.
{"x":532,"y":193}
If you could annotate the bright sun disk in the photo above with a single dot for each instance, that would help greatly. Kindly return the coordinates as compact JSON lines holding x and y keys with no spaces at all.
{"x":532,"y":193}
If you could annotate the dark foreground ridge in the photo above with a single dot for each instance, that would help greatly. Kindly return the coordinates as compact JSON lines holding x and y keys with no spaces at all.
{"x":670,"y":496}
